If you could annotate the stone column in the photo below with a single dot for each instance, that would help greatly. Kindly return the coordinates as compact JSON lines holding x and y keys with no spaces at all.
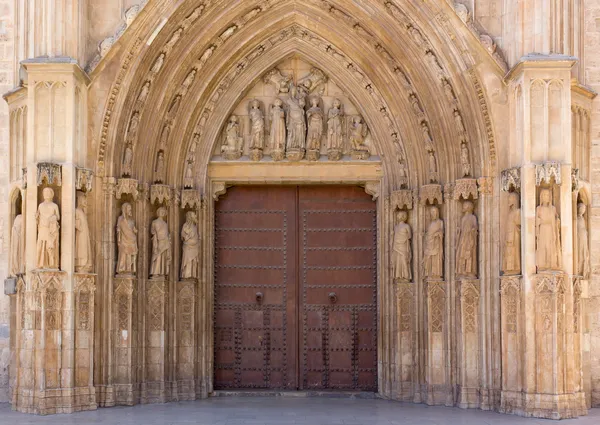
{"x":541,"y":149}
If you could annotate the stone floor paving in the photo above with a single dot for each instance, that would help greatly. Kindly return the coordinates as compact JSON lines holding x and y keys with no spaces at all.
{"x":284,"y":411}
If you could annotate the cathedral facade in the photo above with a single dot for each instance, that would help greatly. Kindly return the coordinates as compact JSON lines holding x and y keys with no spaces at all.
{"x":382,"y":196}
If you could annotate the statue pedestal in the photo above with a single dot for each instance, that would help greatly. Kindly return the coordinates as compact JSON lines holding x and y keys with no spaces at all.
{"x":295,"y":154}
{"x":406,"y":331}
{"x":154,"y":383}
{"x":185,"y":348}
{"x":256,"y":154}
{"x":468,"y":343}
{"x":124,"y":341}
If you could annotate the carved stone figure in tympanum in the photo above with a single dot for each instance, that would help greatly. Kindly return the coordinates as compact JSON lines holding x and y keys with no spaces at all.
{"x":401,"y":249}
{"x":127,"y":161}
{"x":296,"y":126}
{"x":335,"y":140}
{"x":191,"y":247}
{"x":358,"y":133}
{"x":232,"y":146}
{"x":160,"y":263}
{"x":315,"y":118}
{"x":434,"y":246}
{"x":126,"y":241}
{"x":277,"y":133}
{"x":466,"y":253}
{"x":257,"y":132}
{"x":48,"y":245}
{"x":160,"y":170}
{"x":547,"y":232}
{"x":511,"y":263}
{"x":583,"y":248}
{"x":17,"y":247}
{"x":83,"y":244}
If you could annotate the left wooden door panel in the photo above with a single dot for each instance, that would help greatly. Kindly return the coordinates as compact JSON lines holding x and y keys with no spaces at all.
{"x":255,"y":289}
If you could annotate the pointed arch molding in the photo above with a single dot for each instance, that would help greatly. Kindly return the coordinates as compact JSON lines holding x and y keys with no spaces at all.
{"x":186,"y":82}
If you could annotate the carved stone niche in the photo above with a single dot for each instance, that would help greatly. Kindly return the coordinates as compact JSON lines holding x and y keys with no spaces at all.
{"x":190,"y":198}
{"x":544,"y":173}
{"x":49,"y":171}
{"x":465,"y":189}
{"x":127,"y":187}
{"x":160,"y":194}
{"x":402,"y":199}
{"x":84,"y":179}
{"x":431,"y":193}
{"x":511,"y":179}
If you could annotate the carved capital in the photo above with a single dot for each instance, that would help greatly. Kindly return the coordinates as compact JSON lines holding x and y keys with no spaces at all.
{"x":372,"y":188}
{"x":160,"y":194}
{"x":465,"y":189}
{"x":544,"y":173}
{"x":431,"y":193}
{"x":511,"y":178}
{"x":50,"y":172}
{"x":218,"y":189}
{"x":84,"y":179}
{"x":127,"y":187}
{"x":190,"y":198}
{"x":402,"y":199}
{"x":109,"y":186}
{"x":486,"y":185}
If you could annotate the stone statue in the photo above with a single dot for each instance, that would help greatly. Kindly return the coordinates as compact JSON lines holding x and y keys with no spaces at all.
{"x":48,"y":245}
{"x":466,"y":253}
{"x":83,"y":244}
{"x":512,"y":243}
{"x":158,"y":63}
{"x":401,"y":249}
{"x":433,"y":171}
{"x":126,"y":241}
{"x":277,"y":134}
{"x":231,"y":148}
{"x":258,"y":126}
{"x":465,"y":163}
{"x":335,"y":142}
{"x":427,"y":137}
{"x":296,"y":126}
{"x":17,"y":247}
{"x":144,"y":92}
{"x":434,"y":246}
{"x":188,"y":181}
{"x":160,"y":264}
{"x":159,"y":171}
{"x":547,"y":233}
{"x":315,"y":118}
{"x":358,"y":133}
{"x":133,"y":128}
{"x":448,"y":91}
{"x":127,"y":161}
{"x":583,"y":249}
{"x":191,"y":247}
{"x":458,"y":121}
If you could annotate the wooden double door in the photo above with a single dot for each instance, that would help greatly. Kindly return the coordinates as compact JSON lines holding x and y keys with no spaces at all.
{"x":295,"y":289}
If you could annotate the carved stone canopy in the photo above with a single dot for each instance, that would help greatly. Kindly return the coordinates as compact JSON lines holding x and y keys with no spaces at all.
{"x":431,"y":193}
{"x":511,"y":178}
{"x":190,"y":198}
{"x":160,"y":194}
{"x":84,"y":179}
{"x":52,"y":173}
{"x":127,"y":187}
{"x":544,"y":173}
{"x":402,"y":199}
{"x":465,"y":189}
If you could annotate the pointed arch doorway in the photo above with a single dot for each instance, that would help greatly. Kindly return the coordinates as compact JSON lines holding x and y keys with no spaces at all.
{"x":295,"y":288}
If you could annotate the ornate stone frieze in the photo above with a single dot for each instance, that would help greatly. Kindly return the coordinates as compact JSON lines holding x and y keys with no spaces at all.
{"x":160,"y":194}
{"x":402,"y":199}
{"x":190,"y":198}
{"x":431,"y":193}
{"x":544,"y":173}
{"x":127,"y":187}
{"x":50,"y":172}
{"x":84,"y":179}
{"x":511,"y":179}
{"x":465,"y":189}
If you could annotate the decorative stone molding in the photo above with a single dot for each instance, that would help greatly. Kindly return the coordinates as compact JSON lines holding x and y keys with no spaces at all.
{"x":373,"y":188}
{"x":431,"y":193}
{"x":549,"y":283}
{"x":402,"y":199}
{"x":84,"y":179}
{"x":511,"y":178}
{"x":544,"y":173}
{"x":190,"y":198}
{"x":483,"y":106}
{"x":218,"y":189}
{"x":127,"y":187}
{"x":486,"y":185}
{"x":49,"y":171}
{"x":160,"y":194}
{"x":465,"y":189}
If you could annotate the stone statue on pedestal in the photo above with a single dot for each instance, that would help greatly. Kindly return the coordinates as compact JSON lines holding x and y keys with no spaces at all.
{"x":583,"y":248}
{"x":278,"y":132}
{"x":83,"y":245}
{"x":401,"y":249}
{"x":127,"y":241}
{"x":191,"y":247}
{"x":512,"y":243}
{"x":466,"y":254}
{"x":434,"y":246}
{"x":17,"y":247}
{"x":160,"y":264}
{"x":48,"y":245}
{"x":547,"y":233}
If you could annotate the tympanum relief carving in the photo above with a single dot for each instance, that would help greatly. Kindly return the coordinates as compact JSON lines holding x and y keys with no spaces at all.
{"x":295,"y":112}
